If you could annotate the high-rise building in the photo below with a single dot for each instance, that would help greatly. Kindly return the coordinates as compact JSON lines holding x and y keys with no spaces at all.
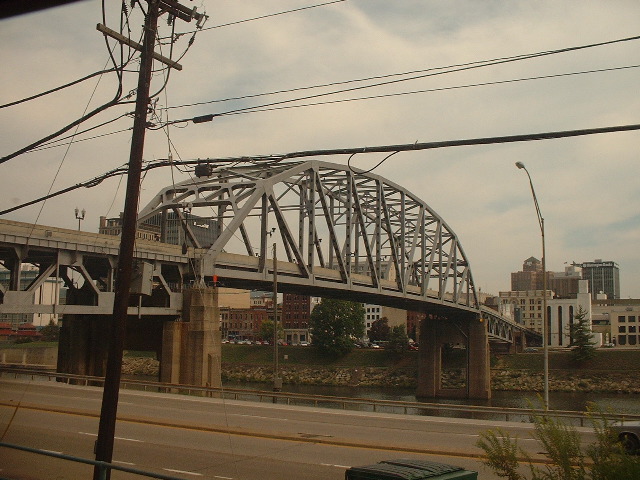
{"x":530,"y":278}
{"x":603,"y":276}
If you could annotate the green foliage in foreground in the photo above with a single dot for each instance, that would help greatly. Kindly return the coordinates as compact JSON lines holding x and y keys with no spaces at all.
{"x":568,"y":459}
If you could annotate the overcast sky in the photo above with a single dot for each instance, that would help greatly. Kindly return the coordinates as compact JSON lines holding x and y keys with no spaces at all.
{"x":588,"y":187}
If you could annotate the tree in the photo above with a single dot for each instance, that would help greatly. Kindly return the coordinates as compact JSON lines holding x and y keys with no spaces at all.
{"x":50,"y":333}
{"x":266,"y":331}
{"x":398,"y":341}
{"x":582,"y":337}
{"x":568,"y":459}
{"x":379,"y":330}
{"x":335,"y":325}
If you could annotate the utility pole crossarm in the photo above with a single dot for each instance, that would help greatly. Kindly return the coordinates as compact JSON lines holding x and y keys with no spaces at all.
{"x":136,"y":46}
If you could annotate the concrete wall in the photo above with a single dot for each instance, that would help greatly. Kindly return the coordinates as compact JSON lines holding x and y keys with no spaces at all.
{"x":36,"y":356}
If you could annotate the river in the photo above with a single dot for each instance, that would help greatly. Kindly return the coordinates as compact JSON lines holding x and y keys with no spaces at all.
{"x":618,"y":403}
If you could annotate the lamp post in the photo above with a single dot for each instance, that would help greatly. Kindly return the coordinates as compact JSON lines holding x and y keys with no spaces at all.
{"x":545,"y":333}
{"x":80,"y":216}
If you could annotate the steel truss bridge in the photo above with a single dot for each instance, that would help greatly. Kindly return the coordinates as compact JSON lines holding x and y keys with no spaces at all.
{"x":335,"y":231}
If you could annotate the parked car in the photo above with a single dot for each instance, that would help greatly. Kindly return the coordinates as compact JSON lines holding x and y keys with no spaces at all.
{"x":628,"y":434}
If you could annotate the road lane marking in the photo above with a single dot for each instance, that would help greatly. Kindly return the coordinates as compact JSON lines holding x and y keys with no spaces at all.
{"x":332,"y":465}
{"x":115,"y":438}
{"x":123,"y":463}
{"x":224,"y":478}
{"x":183,"y":472}
{"x":257,"y":416}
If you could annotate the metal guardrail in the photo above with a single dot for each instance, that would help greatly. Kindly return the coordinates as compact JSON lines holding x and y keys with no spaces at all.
{"x":103,"y":466}
{"x":345,"y":403}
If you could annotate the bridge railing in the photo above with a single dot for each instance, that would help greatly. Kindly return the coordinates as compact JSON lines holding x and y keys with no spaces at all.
{"x":574,"y":417}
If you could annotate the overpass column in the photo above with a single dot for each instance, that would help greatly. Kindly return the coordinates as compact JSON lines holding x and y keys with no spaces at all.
{"x":429,"y":359}
{"x":191,"y":348}
{"x":479,"y":370}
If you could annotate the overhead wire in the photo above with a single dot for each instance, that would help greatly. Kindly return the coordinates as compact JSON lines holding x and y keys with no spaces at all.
{"x":86,"y":116}
{"x":346,"y":151}
{"x":428,"y":90}
{"x":57,"y":89}
{"x":261,"y":17}
{"x":423,"y":74}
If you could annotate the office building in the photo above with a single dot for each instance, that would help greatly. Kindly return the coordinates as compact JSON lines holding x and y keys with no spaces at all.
{"x":603,"y":277}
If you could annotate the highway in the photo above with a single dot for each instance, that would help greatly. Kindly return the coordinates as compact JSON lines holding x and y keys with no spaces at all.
{"x":208,"y":438}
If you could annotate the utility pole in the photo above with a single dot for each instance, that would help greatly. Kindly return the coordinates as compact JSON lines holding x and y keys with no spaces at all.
{"x":106,"y":429}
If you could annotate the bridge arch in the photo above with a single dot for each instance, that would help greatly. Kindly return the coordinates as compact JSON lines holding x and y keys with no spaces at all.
{"x":342,"y":231}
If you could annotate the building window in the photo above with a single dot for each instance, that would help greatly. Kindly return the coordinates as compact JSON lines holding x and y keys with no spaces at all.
{"x":632,"y":329}
{"x":622,"y":339}
{"x":621,"y":319}
{"x":632,"y":318}
{"x":622,"y":329}
{"x":632,"y":339}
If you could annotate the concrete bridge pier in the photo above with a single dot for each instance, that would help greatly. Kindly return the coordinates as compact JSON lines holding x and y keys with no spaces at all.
{"x":82,"y":348}
{"x":469,"y":330}
{"x":191,"y":347}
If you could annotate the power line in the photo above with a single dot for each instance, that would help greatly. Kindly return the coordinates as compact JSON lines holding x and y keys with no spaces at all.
{"x":57,"y":89}
{"x":261,"y":17}
{"x":209,"y":117}
{"x":424,"y":73}
{"x":343,"y":151}
{"x":55,"y":143}
{"x":429,"y":90}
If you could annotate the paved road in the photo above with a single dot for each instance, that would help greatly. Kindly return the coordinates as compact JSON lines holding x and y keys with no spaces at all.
{"x":205,"y":438}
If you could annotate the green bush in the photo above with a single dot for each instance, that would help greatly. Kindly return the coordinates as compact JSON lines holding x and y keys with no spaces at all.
{"x":605,"y":459}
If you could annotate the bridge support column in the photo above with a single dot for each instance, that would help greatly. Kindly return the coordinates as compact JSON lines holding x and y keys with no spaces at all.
{"x":468,"y":330}
{"x":191,"y":348}
{"x":429,"y":360}
{"x":479,"y":369}
{"x":82,"y":348}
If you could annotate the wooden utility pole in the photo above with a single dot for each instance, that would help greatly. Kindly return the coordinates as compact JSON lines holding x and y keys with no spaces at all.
{"x":106,"y":429}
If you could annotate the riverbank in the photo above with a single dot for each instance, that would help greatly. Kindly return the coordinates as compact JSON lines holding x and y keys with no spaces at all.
{"x":609,"y":372}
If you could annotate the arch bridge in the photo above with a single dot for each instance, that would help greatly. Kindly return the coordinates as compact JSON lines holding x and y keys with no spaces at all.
{"x":335,"y":231}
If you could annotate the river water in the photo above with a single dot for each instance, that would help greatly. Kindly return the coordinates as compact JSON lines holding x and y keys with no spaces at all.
{"x":616,"y":403}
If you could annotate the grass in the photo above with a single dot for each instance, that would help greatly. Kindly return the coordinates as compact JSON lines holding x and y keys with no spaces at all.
{"x":27,"y":345}
{"x":263,"y":355}
{"x":605,"y":359}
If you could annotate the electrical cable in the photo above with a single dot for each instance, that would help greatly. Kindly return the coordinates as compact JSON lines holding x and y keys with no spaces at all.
{"x":52,"y":144}
{"x":346,"y":151}
{"x":276,"y":105}
{"x":424,"y":73}
{"x":57,"y":89}
{"x":413,"y":92}
{"x":261,"y":17}
{"x":49,"y":144}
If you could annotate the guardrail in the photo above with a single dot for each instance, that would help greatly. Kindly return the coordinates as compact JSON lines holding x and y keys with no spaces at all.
{"x":103,"y":467}
{"x":345,"y":403}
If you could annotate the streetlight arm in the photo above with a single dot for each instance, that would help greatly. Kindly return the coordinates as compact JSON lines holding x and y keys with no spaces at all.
{"x":535,"y":199}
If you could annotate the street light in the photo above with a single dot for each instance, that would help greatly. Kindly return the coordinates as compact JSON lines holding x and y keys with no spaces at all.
{"x":545,"y":335}
{"x":80,"y":216}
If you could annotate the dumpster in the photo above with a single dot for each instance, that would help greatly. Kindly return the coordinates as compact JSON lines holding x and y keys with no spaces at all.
{"x":409,"y":469}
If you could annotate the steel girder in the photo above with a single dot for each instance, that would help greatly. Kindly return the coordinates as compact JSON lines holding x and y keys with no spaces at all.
{"x":338,"y":228}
